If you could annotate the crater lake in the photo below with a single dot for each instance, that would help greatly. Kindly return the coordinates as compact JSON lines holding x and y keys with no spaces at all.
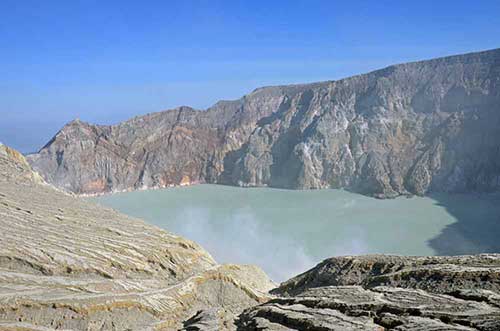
{"x":286,"y":231}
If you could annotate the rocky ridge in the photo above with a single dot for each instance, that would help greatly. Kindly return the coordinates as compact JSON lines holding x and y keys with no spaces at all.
{"x":69,"y":264}
{"x":407,"y":129}
{"x":386,"y":293}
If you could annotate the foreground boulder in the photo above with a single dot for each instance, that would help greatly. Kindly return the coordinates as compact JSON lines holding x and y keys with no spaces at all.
{"x":69,"y":264}
{"x":406,"y":129}
{"x":386,"y":293}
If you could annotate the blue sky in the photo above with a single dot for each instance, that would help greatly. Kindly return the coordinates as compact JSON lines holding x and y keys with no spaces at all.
{"x":106,"y":61}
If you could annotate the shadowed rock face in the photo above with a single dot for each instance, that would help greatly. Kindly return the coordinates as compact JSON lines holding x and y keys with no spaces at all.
{"x":409,"y":128}
{"x":386,"y":293}
{"x":66,"y":263}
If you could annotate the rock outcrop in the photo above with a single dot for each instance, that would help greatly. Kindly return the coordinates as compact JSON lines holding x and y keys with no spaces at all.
{"x":69,"y":264}
{"x":409,"y":128}
{"x":437,"y":274}
{"x":386,"y":293}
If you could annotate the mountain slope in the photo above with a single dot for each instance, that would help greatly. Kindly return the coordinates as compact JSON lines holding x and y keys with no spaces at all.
{"x":409,"y":128}
{"x":66,"y":263}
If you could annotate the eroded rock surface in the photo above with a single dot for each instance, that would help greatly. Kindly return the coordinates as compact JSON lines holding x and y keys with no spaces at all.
{"x":69,"y":264}
{"x":386,"y":293}
{"x":437,"y":274}
{"x":409,"y":128}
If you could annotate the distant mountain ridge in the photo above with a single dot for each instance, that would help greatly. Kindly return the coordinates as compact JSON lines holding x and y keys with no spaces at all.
{"x":407,"y":129}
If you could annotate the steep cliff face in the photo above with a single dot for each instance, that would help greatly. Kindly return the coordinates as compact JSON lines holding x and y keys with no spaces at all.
{"x":68,"y":264}
{"x":409,"y":128}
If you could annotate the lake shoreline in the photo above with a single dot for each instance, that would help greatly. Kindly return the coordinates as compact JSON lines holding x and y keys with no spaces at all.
{"x":291,"y":230}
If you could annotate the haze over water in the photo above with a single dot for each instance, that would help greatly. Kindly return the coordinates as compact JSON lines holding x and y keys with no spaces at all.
{"x":286,"y":232}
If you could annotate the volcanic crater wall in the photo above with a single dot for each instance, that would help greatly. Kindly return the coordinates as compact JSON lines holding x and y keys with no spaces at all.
{"x":406,"y":129}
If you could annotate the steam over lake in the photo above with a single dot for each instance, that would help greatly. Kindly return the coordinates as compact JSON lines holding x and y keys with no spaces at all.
{"x":286,"y":232}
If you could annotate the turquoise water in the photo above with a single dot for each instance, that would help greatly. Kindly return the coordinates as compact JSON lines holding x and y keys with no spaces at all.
{"x":286,"y":232}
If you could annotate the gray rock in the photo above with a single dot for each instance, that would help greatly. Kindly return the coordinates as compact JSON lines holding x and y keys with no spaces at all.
{"x":437,"y":274}
{"x":386,"y":293}
{"x":67,"y":263}
{"x":406,"y":129}
{"x":380,"y":308}
{"x":210,"y":320}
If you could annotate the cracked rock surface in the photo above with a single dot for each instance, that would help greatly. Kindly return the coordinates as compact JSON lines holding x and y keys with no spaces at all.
{"x":68,"y":264}
{"x":412,"y":128}
{"x":437,"y":274}
{"x":386,"y":293}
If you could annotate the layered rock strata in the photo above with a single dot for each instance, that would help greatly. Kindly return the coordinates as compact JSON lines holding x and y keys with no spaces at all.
{"x":68,"y":264}
{"x":407,"y":129}
{"x":386,"y":293}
